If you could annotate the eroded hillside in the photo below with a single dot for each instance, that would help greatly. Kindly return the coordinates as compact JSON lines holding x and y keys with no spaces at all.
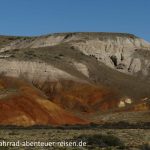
{"x":75,"y":76}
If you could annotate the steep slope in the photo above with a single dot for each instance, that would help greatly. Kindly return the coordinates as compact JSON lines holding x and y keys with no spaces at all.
{"x":78,"y":76}
{"x":120,"y":52}
{"x":22,"y":104}
{"x":62,"y":62}
{"x":123,"y":52}
{"x":82,"y":97}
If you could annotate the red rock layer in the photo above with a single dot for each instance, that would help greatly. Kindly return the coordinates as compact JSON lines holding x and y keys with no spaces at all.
{"x":22,"y":104}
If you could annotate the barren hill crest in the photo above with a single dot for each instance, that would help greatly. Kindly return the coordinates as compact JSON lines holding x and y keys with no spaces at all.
{"x":73,"y":73}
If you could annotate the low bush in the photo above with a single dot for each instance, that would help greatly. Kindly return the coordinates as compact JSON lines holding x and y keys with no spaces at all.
{"x":100,"y":140}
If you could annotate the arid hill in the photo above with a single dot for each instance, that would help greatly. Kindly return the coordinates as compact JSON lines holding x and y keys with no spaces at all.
{"x":74,"y":78}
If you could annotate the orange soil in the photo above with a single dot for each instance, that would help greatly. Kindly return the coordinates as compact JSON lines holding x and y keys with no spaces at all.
{"x":27,"y":106}
{"x":81,"y":97}
{"x":23,"y":104}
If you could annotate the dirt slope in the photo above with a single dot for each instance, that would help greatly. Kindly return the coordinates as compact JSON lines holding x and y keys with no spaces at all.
{"x":28,"y":106}
{"x":73,"y":78}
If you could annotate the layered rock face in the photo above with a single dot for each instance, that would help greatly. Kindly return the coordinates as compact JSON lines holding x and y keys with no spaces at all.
{"x":32,"y":70}
{"x":123,"y":52}
{"x":75,"y":75}
{"x":120,"y":53}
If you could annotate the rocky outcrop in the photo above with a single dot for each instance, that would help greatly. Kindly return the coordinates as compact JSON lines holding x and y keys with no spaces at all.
{"x":116,"y":50}
{"x":118,"y":53}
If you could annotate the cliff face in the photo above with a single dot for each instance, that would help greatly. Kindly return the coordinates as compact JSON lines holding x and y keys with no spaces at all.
{"x":79,"y":73}
{"x":122,"y":52}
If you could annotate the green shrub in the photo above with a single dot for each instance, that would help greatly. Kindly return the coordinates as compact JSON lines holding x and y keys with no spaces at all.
{"x":100,"y":140}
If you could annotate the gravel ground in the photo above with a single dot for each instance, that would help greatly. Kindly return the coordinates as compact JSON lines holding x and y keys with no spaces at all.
{"x":133,"y":139}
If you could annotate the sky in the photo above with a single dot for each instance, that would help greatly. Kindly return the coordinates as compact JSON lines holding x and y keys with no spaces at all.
{"x":38,"y":17}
